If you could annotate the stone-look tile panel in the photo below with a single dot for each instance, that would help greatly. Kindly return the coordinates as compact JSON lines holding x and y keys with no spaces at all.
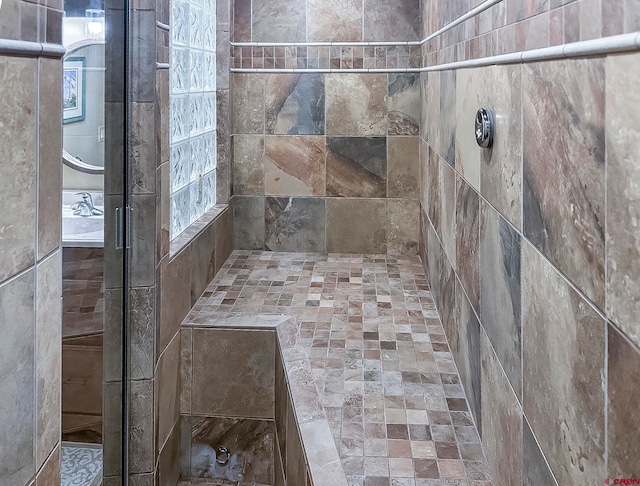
{"x":248,"y":164}
{"x":623,"y":413}
{"x":468,"y":100}
{"x":223,"y":147}
{"x":203,"y":261}
{"x":294,"y":104}
{"x":142,"y":321}
{"x":356,"y":225}
{"x":168,"y":391}
{"x":501,"y":420}
{"x":242,"y":20}
{"x":533,"y":33}
{"x":433,"y":177}
{"x":500,"y":171}
{"x":447,"y":191}
{"x":623,"y":195}
{"x":294,"y":166}
{"x":144,"y":140}
{"x":563,"y":355}
{"x":247,"y":110}
{"x":564,"y":170}
{"x":49,"y":166}
{"x":248,"y":222}
{"x":48,"y":353}
{"x":224,"y":238}
{"x":237,"y":379}
{"x":403,"y":226}
{"x":403,"y":167}
{"x":143,"y":249}
{"x":281,"y":408}
{"x":18,"y":155}
{"x":464,"y":341}
{"x":467,"y":240}
{"x":446,"y":120}
{"x":142,"y":433}
{"x":276,"y":21}
{"x":168,"y":468}
{"x":535,"y":468}
{"x":175,"y":296}
{"x":392,"y":21}
{"x":334,"y":20}
{"x":49,"y":475}
{"x":296,"y":468}
{"x":17,"y":367}
{"x":404,"y":104}
{"x":356,"y":166}
{"x":500,"y":284}
{"x":295,"y":224}
{"x":423,"y":182}
{"x":186,"y":371}
{"x":356,"y":104}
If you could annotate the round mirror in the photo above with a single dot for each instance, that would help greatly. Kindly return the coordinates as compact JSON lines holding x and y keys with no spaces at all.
{"x":83,"y":106}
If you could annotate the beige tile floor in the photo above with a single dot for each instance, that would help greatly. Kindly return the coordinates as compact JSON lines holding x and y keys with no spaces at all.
{"x":380,"y":360}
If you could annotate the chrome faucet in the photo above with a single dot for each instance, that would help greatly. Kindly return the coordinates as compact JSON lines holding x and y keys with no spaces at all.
{"x":85,"y":207}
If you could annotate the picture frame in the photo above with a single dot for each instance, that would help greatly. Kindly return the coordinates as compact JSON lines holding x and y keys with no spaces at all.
{"x":73,"y":90}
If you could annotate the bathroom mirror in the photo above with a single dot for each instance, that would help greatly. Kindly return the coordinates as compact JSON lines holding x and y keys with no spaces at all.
{"x":83,"y":106}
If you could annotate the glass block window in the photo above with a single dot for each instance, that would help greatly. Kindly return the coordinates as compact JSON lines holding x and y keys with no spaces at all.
{"x":192,"y":96}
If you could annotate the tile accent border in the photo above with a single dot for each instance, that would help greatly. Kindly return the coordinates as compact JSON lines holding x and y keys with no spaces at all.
{"x":31,"y":49}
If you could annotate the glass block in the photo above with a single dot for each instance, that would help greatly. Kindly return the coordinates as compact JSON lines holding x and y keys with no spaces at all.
{"x":179,"y":212}
{"x":179,"y":70}
{"x":209,"y":29}
{"x":209,"y":142}
{"x":209,"y":111}
{"x":180,"y":23}
{"x":179,"y":118}
{"x":197,"y":3}
{"x":210,"y":71}
{"x":196,"y":33}
{"x":196,"y":193}
{"x":196,"y":82}
{"x":210,"y":5}
{"x":180,"y":165}
{"x":196,"y":114}
{"x":197,"y":158}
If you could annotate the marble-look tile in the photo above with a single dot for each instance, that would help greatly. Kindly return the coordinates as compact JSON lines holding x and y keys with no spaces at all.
{"x":500,"y":284}
{"x":276,"y":21}
{"x":203,"y":261}
{"x":535,"y":470}
{"x":403,"y":166}
{"x":247,"y":110}
{"x":392,"y":21}
{"x":623,"y":387}
{"x":224,"y":237}
{"x":223,"y":63}
{"x":142,"y":322}
{"x":186,"y":369}
{"x":563,"y":358}
{"x":501,"y":165}
{"x":294,"y":104}
{"x":143,"y":140}
{"x":356,"y":166}
{"x":49,"y":355}
{"x":49,"y":475}
{"x":403,"y":226}
{"x":49,"y":167}
{"x":143,"y":249}
{"x":334,"y":20}
{"x":167,"y":394}
{"x":251,"y":446}
{"x":142,"y":432}
{"x":501,"y":420}
{"x":467,"y":240}
{"x":281,"y":407}
{"x":238,"y":378}
{"x":564,"y":170}
{"x":623,"y":195}
{"x":294,"y":166}
{"x":18,"y":155}
{"x":423,"y":174}
{"x":356,"y":225}
{"x":248,"y":222}
{"x":533,"y":33}
{"x":175,"y":296}
{"x":242,"y":20}
{"x":468,"y":100}
{"x":295,"y":224}
{"x":168,"y":468}
{"x":248,"y":164}
{"x":356,"y":104}
{"x":447,"y":191}
{"x":295,"y":470}
{"x":464,"y":340}
{"x":446,"y":119}
{"x":223,"y":147}
{"x":404,"y":104}
{"x":17,"y":367}
{"x":433,"y":178}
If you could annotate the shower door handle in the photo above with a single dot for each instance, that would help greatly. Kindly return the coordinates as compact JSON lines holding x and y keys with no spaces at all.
{"x":123,"y":227}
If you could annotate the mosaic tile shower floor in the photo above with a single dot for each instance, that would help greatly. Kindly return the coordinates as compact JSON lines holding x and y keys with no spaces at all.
{"x":81,"y":464}
{"x":380,"y":360}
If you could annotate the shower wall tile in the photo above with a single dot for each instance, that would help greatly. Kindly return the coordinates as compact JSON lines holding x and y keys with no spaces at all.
{"x":501,"y":420}
{"x":357,"y":166}
{"x":236,"y":380}
{"x":294,"y":165}
{"x":143,"y":142}
{"x":447,"y":191}
{"x":223,"y":146}
{"x":49,"y":474}
{"x":203,"y":261}
{"x":356,"y":225}
{"x":242,"y":20}
{"x":143,"y":250}
{"x":402,"y":167}
{"x":295,"y":224}
{"x":275,"y":21}
{"x":535,"y":468}
{"x":168,"y":391}
{"x":469,"y":84}
{"x":224,"y":238}
{"x":500,"y":290}
{"x":623,"y":195}
{"x":334,"y":20}
{"x":402,"y":226}
{"x":294,"y":104}
{"x":446,"y":120}
{"x":560,"y":329}
{"x":18,"y":153}
{"x":404,"y":104}
{"x":142,"y":321}
{"x":356,"y":104}
{"x":248,"y":164}
{"x":392,"y":21}
{"x":564,"y":168}
{"x":142,"y":450}
{"x":247,"y":106}
{"x":467,"y":240}
{"x":248,"y":220}
{"x":435,"y":201}
{"x":168,"y":468}
{"x":175,"y":296}
{"x":186,"y":370}
{"x":17,"y":414}
{"x":623,"y":371}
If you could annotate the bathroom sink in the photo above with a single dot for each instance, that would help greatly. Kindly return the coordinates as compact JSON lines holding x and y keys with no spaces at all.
{"x":81,"y":230}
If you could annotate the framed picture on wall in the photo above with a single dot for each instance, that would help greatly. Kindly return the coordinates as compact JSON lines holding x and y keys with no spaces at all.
{"x":73,"y":89}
